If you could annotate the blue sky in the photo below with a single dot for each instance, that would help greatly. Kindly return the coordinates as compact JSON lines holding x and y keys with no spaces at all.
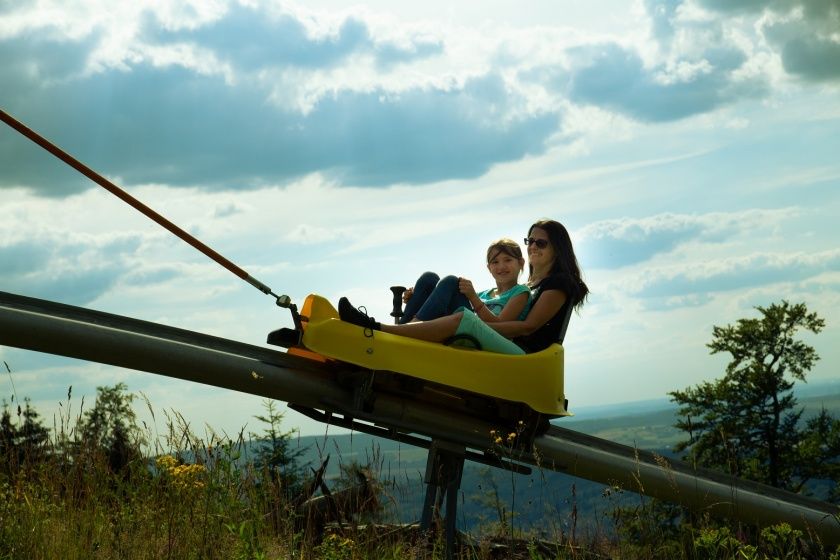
{"x":335,"y":148}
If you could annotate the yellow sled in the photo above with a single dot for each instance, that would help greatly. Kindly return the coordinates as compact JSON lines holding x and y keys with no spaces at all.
{"x":533,"y":379}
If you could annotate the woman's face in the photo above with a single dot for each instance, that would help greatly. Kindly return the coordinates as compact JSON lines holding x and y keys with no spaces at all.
{"x":540,"y":251}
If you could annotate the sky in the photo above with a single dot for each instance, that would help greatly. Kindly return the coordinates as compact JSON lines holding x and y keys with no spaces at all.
{"x":337,"y":148}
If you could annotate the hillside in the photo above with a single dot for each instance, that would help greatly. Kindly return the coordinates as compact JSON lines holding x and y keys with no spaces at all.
{"x":541,"y":499}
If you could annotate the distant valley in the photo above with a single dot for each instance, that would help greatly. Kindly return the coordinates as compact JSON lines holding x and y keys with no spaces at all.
{"x":538,"y":498}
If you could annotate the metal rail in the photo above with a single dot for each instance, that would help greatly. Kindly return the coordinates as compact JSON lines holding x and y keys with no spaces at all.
{"x":65,"y":330}
{"x":678,"y":482}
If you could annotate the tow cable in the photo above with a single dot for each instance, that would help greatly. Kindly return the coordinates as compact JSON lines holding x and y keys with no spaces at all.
{"x":282,"y":301}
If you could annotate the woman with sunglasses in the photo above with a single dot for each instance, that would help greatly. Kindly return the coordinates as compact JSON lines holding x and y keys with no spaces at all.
{"x":433,"y":297}
{"x":555,"y":282}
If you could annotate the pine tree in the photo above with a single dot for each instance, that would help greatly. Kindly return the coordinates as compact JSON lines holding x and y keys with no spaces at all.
{"x":23,"y":443}
{"x":274,"y":456}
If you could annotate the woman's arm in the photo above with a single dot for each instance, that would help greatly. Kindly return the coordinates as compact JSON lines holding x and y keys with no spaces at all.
{"x":548,"y":305}
{"x":510,"y":312}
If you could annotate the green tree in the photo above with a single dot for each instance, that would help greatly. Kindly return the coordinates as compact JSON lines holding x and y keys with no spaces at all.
{"x":747,"y":423}
{"x":110,"y":427}
{"x":819,"y":452}
{"x":274,"y":455}
{"x":24,"y":442}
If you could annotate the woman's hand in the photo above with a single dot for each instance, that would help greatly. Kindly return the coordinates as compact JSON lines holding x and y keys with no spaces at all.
{"x":407,"y":294}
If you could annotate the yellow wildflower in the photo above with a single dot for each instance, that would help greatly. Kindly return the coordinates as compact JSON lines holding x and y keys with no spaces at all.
{"x":166,"y":462}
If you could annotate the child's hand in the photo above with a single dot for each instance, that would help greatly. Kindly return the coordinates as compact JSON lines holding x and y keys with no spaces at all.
{"x":466,"y":287}
{"x":407,"y":294}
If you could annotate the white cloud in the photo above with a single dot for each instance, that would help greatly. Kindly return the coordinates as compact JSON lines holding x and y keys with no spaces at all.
{"x":629,"y":241}
{"x":723,"y":274}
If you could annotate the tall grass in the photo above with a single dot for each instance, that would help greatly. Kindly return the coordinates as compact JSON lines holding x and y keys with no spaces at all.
{"x":186,"y":499}
{"x":174,"y":495}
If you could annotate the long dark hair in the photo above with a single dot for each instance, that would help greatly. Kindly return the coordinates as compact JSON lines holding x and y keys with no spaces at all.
{"x":565,"y":261}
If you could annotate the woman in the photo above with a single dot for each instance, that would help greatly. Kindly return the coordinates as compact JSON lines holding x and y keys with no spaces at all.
{"x":555,"y":282}
{"x":433,"y":297}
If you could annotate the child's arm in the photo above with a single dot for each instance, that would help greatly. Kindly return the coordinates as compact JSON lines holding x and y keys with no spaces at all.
{"x":510,"y":312}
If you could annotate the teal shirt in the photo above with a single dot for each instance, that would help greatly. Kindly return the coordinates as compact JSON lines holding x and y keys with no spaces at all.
{"x":496,"y":304}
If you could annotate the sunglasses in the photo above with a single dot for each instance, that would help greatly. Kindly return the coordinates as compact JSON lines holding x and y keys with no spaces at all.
{"x":540,"y":243}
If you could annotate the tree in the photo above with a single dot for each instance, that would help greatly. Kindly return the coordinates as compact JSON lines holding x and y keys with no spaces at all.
{"x":274,"y":455}
{"x":111,"y":427}
{"x":24,"y":443}
{"x":747,"y":423}
{"x":820,"y":452}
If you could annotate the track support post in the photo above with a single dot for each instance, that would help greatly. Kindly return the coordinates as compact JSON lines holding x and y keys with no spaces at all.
{"x":444,"y":468}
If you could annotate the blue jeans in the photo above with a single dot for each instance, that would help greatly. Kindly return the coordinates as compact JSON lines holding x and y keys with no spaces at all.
{"x":434,"y":297}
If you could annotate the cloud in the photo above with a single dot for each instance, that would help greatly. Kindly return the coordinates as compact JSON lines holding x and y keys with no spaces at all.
{"x":22,"y":258}
{"x":662,"y":14}
{"x":174,"y":127}
{"x":239,"y":97}
{"x":617,"y":243}
{"x":428,"y":135}
{"x":615,"y":77}
{"x":253,"y":39}
{"x":199,"y":108}
{"x":723,"y":275}
{"x":227,"y":209}
{"x":57,"y":267}
{"x":812,"y":59}
{"x":75,"y":287}
{"x":804,"y":32}
{"x":622,"y":242}
{"x":807,"y":38}
{"x":814,"y":11}
{"x":745,"y":6}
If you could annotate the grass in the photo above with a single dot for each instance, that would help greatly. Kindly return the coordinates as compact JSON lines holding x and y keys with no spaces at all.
{"x":185,"y":497}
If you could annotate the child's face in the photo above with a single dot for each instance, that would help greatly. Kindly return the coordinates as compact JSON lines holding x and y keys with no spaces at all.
{"x":505,"y":268}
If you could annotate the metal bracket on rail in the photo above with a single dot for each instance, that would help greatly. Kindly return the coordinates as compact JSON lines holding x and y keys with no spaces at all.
{"x":286,"y":302}
{"x":347,"y":420}
{"x":286,"y":337}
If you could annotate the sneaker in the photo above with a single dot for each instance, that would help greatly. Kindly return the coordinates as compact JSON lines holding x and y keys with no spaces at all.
{"x":350,"y":314}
